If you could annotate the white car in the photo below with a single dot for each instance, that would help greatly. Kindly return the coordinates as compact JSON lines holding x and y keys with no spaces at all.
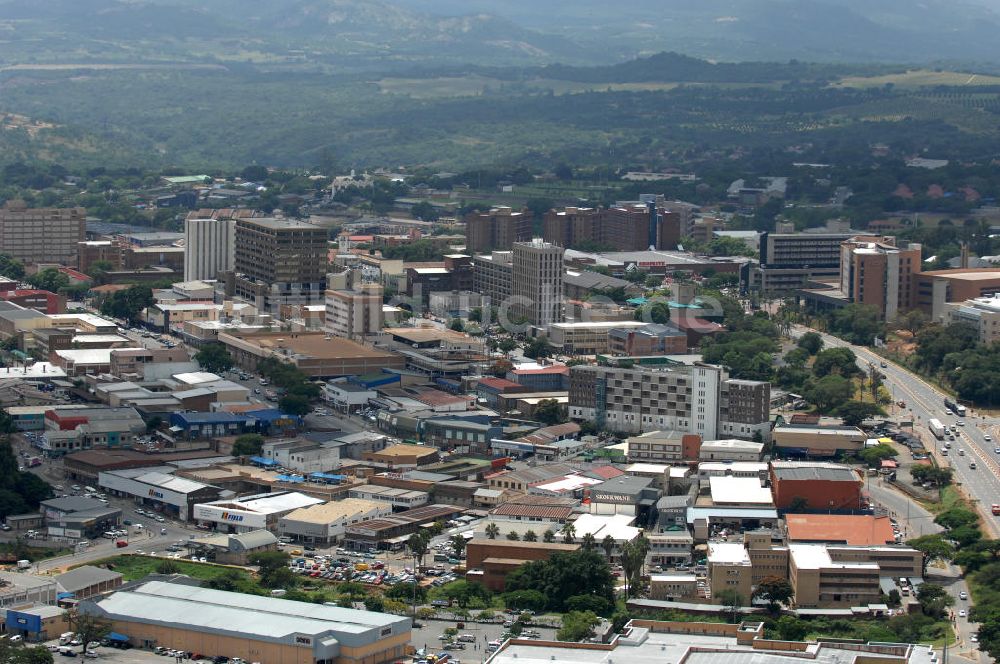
{"x":963,"y":595}
{"x":961,"y":613}
{"x":987,"y":437}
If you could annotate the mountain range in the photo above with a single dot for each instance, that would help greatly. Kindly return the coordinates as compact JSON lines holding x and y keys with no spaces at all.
{"x":385,"y":33}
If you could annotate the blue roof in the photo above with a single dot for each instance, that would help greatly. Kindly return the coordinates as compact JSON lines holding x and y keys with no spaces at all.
{"x":328,"y":476}
{"x":291,"y":478}
{"x":115,"y":636}
{"x":270,"y":415}
{"x":636,"y":300}
{"x":261,"y":461}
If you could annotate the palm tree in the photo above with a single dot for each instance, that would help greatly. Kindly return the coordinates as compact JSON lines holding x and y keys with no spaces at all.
{"x":589,"y":542}
{"x":492,"y":531}
{"x":569,"y":533}
{"x":417,"y":544}
{"x":513,"y":536}
{"x":458,"y":543}
{"x":549,"y":537}
{"x":530,"y":536}
{"x":608,"y":543}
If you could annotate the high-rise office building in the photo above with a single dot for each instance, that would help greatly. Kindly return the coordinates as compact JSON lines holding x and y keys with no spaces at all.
{"x":874,"y":271}
{"x":497,"y":229}
{"x":278,"y":262}
{"x":353,"y":309}
{"x":537,"y":282}
{"x":209,"y":247}
{"x":699,"y":399}
{"x":42,"y":235}
{"x":623,"y":227}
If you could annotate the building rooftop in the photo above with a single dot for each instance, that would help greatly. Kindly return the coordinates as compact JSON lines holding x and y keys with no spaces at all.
{"x":269,"y":503}
{"x":86,"y":576}
{"x":740,"y":491}
{"x":624,"y":485}
{"x":839,"y":529}
{"x":817,"y":556}
{"x":729,"y":553}
{"x":315,"y":345}
{"x":335,"y":510}
{"x":281,"y":224}
{"x":618,"y":526}
{"x":244,"y":616}
{"x":805,"y":471}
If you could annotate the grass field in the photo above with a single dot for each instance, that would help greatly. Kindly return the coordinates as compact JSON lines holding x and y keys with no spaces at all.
{"x":134,"y":567}
{"x":918,"y":78}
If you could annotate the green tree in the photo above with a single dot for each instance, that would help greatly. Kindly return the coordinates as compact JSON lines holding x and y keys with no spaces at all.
{"x":538,"y":348}
{"x":374,"y":603}
{"x":127,"y":303}
{"x":457,"y":325}
{"x":458,"y":544}
{"x":549,"y":412}
{"x":405,"y":592}
{"x":10,"y":267}
{"x":589,"y":542}
{"x":829,"y":392}
{"x":513,"y":536}
{"x":839,"y":361}
{"x":775,"y":591}
{"x":167,"y":567}
{"x":577,"y":626}
{"x":294,"y":404}
{"x":548,"y":537}
{"x":272,"y":568}
{"x":492,"y":530}
{"x":418,"y":544}
{"x":811,"y":342}
{"x":248,"y":444}
{"x":525,"y":599}
{"x":731,"y":602}
{"x":654,"y":312}
{"x":214,"y":358}
{"x":563,"y":576}
{"x":88,"y":627}
{"x":933,"y":547}
{"x":49,"y":279}
{"x":608,"y":544}
{"x":569,"y":533}
{"x":425,"y":211}
{"x":855,"y":412}
{"x":874,"y":456}
{"x":530,"y":536}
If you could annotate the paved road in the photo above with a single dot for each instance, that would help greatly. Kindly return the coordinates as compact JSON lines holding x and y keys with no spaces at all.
{"x":924,"y":402}
{"x":982,"y":485}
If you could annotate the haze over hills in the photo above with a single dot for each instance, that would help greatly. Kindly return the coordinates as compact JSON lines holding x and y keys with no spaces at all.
{"x":363,"y":33}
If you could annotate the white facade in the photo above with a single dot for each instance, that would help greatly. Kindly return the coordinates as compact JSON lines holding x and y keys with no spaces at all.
{"x":209,"y":247}
{"x":705,"y":401}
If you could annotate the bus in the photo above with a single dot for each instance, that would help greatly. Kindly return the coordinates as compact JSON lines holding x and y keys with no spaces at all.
{"x":936,"y":428}
{"x":954,"y":407}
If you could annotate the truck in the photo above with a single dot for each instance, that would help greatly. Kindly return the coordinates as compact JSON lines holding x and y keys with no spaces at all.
{"x":954,"y":407}
{"x":936,"y":428}
{"x":23,"y":564}
{"x":34,"y":461}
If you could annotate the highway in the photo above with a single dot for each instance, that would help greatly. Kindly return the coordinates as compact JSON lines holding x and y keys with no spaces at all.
{"x":925,"y":402}
{"x":981,"y":485}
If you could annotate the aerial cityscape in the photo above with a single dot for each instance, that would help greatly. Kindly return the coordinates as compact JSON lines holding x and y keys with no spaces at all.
{"x":431,"y":332}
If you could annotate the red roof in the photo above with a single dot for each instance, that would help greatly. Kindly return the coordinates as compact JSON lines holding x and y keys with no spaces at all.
{"x":499,"y":384}
{"x":697,"y":324}
{"x":74,"y":274}
{"x":607,"y":472}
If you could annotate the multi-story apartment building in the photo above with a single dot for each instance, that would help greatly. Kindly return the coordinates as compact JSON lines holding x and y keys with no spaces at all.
{"x":493,"y":274}
{"x":499,"y":228}
{"x":209,"y":247}
{"x":537,"y":282}
{"x":279,"y":261}
{"x":353,"y":310}
{"x":876,"y":272}
{"x":623,"y":227}
{"x":699,"y":399}
{"x":789,"y":260}
{"x":41,"y":235}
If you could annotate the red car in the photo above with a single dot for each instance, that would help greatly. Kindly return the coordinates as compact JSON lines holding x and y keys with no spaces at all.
{"x":121,"y":544}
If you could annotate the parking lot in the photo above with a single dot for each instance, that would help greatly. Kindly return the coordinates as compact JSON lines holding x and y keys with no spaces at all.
{"x":427,"y":636}
{"x":108,"y":655}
